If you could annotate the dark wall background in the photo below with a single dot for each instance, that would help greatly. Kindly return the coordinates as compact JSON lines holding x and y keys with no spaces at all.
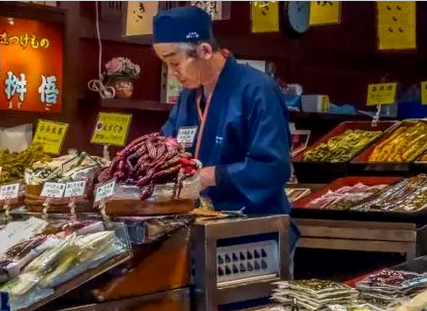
{"x":338,"y":60}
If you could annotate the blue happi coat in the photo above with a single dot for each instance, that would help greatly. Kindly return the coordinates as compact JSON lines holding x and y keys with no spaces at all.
{"x":246,"y":137}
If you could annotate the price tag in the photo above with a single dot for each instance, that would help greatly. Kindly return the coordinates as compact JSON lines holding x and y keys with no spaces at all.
{"x":4,"y":301}
{"x":381,"y":94}
{"x":111,"y":129}
{"x":51,"y":135}
{"x":75,"y":189}
{"x":9,"y":192}
{"x":104,"y":191}
{"x":424,"y":93}
{"x":186,"y":136}
{"x":53,"y":190}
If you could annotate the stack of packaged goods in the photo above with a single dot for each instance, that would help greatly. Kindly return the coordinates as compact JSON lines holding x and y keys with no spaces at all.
{"x":345,"y":197}
{"x":409,"y":195}
{"x":389,"y":287}
{"x":313,"y":295}
{"x":36,"y":257}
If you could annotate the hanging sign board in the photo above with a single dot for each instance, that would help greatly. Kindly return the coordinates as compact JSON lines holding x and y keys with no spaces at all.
{"x":111,"y":129}
{"x":381,"y":94}
{"x":325,"y":12}
{"x":139,"y":17}
{"x":51,"y":135}
{"x":396,"y":26}
{"x":265,"y":16}
{"x":30,"y":65}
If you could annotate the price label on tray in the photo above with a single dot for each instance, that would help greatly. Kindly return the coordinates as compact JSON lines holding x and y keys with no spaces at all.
{"x":381,"y":94}
{"x":53,"y":190}
{"x":4,"y":301}
{"x":51,"y":135}
{"x":75,"y":189}
{"x":104,"y":191}
{"x":111,"y":129}
{"x":9,"y":192}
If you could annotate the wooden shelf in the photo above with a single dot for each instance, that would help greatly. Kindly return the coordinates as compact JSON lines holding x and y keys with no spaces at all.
{"x":136,"y":104}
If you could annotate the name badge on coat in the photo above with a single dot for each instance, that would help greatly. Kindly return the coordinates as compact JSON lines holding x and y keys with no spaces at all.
{"x":186,"y":136}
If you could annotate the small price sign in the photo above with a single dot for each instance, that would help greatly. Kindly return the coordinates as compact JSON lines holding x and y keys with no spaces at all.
{"x":75,"y":189}
{"x":104,"y":191}
{"x":111,"y":129}
{"x":186,"y":136}
{"x":51,"y":135}
{"x":381,"y":94}
{"x":9,"y":192}
{"x":53,"y":190}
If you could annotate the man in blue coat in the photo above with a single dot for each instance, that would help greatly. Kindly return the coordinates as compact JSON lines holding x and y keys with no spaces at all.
{"x":232,"y":117}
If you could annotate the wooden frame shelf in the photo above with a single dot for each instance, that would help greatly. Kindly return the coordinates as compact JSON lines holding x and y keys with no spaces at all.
{"x":135,"y":104}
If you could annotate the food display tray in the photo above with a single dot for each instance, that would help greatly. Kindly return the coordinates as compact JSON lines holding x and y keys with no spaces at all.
{"x":138,"y":208}
{"x":326,"y":172}
{"x":360,"y":165}
{"x":301,"y":211}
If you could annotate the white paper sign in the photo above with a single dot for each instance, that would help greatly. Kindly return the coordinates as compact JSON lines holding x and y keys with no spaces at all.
{"x":104,"y":191}
{"x":53,"y":190}
{"x":9,"y":192}
{"x":186,"y":136}
{"x":75,"y":189}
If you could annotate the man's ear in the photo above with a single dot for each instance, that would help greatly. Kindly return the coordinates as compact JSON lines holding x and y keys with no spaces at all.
{"x":204,"y":50}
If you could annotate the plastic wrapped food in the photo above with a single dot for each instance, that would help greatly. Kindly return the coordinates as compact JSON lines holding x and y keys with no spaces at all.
{"x":22,"y":283}
{"x":341,"y":148}
{"x":405,"y":144}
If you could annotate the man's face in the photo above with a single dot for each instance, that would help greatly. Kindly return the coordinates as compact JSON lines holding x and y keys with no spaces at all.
{"x":186,"y":69}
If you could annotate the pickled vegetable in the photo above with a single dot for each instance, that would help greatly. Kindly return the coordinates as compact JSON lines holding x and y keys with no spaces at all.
{"x":404,"y":145}
{"x":341,"y":148}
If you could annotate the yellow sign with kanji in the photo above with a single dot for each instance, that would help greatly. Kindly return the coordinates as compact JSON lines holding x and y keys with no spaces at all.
{"x":396,"y":25}
{"x":139,"y":18}
{"x":111,"y":129}
{"x":325,"y":12}
{"x":265,"y":16}
{"x":381,"y":94}
{"x":51,"y":135}
{"x":424,"y":93}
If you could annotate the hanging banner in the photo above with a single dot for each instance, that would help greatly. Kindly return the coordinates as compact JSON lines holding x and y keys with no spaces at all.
{"x":139,"y":17}
{"x":381,"y":94}
{"x":51,"y":135}
{"x":30,"y":65}
{"x":396,"y":27}
{"x":213,"y":8}
{"x":265,"y":16}
{"x":325,"y":12}
{"x":111,"y":129}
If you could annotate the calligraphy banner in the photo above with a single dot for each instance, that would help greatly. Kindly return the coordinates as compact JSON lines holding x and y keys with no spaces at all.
{"x":325,"y":12}
{"x":213,"y":8}
{"x":30,"y":65}
{"x":139,"y":17}
{"x":265,"y":16}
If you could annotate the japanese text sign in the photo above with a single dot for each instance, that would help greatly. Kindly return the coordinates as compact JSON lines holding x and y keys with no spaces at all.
{"x":139,"y":18}
{"x":325,"y":12}
{"x":53,"y":190}
{"x":30,"y":65}
{"x":75,"y":189}
{"x":396,"y":26}
{"x":9,"y":192}
{"x":51,"y":135}
{"x":265,"y":16}
{"x":104,"y":191}
{"x":381,"y":94}
{"x":424,"y":93}
{"x":111,"y":129}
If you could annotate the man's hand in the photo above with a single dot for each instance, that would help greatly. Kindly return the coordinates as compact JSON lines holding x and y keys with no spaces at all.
{"x":208,"y":177}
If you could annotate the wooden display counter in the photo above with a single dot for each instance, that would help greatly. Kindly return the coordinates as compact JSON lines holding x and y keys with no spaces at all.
{"x":369,"y":236}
